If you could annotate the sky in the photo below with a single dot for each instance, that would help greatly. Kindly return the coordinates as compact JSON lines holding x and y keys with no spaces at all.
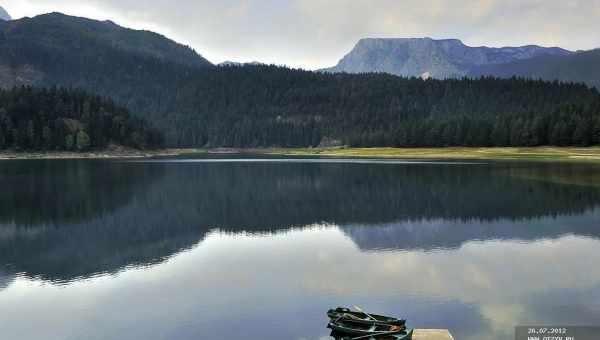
{"x":312,"y":34}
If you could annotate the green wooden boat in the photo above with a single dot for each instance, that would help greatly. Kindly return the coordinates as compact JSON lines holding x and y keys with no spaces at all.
{"x":403,"y":335}
{"x":361,"y":329}
{"x":346,"y":314}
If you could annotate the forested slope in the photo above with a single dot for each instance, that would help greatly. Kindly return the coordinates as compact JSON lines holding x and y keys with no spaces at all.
{"x":265,"y":105}
{"x":60,"y":119}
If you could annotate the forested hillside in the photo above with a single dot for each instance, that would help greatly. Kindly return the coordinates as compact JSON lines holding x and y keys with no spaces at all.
{"x":259,"y":105}
{"x":69,"y":120}
{"x":264,"y":106}
{"x":137,"y":69}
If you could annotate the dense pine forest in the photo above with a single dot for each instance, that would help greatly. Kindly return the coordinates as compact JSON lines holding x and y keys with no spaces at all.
{"x":195,"y":104}
{"x":68,"y":120}
{"x":266,"y":106}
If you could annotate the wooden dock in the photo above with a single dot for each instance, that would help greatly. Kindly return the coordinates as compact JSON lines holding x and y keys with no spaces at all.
{"x":432,"y":334}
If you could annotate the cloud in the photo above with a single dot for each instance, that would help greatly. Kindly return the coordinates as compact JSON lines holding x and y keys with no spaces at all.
{"x":316,"y":33}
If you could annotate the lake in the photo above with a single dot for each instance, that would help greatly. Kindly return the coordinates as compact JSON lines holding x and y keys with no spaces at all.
{"x":239,"y":248}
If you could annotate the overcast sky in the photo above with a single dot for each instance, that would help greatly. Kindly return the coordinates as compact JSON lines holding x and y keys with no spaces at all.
{"x":317,"y":33}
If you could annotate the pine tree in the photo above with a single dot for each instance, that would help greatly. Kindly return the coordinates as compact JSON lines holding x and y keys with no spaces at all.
{"x":596,"y":131}
{"x":69,"y":142}
{"x":560,"y":134}
{"x":582,"y":135}
{"x":15,"y":137}
{"x":47,"y":138}
{"x":83,"y":141}
{"x":500,"y":133}
{"x":30,"y":141}
{"x":539,"y":132}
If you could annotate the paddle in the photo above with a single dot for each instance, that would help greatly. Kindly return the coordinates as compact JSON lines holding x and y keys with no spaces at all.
{"x":365,"y":313}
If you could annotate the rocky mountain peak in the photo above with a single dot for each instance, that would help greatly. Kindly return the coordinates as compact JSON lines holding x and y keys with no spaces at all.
{"x":4,"y":14}
{"x":416,"y":57}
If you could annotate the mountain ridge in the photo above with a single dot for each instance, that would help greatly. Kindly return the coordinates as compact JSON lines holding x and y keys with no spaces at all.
{"x":59,"y":29}
{"x":441,"y":58}
{"x":582,"y":66}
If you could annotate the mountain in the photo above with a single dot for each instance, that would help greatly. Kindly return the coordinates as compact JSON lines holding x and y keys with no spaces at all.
{"x":577,"y":67}
{"x":62,"y":30}
{"x":416,"y":57}
{"x":53,"y":46}
{"x":131,"y":67}
{"x":196,"y":104}
{"x":4,"y":14}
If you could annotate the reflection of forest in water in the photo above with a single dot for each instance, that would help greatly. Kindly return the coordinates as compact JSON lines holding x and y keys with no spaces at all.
{"x":61,"y":220}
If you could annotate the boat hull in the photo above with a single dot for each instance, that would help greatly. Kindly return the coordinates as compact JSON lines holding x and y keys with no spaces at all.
{"x":404,"y":335}
{"x":361,"y":318}
{"x":363,"y":329}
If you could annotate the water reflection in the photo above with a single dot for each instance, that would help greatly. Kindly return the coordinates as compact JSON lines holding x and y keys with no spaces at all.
{"x":478,"y":291}
{"x":66,"y":220}
{"x":434,"y":234}
{"x":45,"y":193}
{"x":5,"y":279}
{"x":465,"y":247}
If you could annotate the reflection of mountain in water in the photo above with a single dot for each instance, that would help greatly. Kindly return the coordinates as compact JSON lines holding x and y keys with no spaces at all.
{"x":99,"y":217}
{"x":447,"y":234}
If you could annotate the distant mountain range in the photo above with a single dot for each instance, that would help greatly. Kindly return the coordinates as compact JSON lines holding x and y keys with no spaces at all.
{"x":450,"y":58}
{"x":576,"y":67}
{"x":4,"y":14}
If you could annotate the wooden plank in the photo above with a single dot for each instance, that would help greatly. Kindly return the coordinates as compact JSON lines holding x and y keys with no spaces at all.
{"x":432,"y":334}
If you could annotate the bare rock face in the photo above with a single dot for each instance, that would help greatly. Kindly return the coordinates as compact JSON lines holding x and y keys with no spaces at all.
{"x":229,"y":63}
{"x":4,"y":14}
{"x":426,"y":57}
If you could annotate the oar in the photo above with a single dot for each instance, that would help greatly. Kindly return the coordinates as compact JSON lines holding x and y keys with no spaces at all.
{"x":365,"y":313}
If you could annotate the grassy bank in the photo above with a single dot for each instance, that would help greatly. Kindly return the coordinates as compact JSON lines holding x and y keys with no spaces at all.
{"x":526,"y":154}
{"x":529,"y":154}
{"x":121,"y":153}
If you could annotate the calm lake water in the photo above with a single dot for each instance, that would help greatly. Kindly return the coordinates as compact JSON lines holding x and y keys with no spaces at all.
{"x":260,"y":249}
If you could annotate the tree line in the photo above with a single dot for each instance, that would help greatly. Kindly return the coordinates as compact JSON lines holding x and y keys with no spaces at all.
{"x":68,"y":120}
{"x":273,"y":106}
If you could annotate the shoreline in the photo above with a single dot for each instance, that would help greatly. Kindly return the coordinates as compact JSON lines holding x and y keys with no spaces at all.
{"x":570,"y":154}
{"x":99,"y":154}
{"x":543,"y":153}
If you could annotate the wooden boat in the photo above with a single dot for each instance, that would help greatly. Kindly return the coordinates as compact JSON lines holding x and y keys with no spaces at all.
{"x":403,"y":335}
{"x":359,"y":329}
{"x":360,"y":317}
